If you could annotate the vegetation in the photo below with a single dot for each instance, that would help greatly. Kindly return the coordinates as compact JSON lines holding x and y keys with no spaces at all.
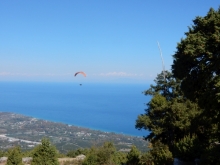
{"x":14,"y":156}
{"x":183,"y":115}
{"x":133,"y":157}
{"x":45,"y":154}
{"x":106,"y":154}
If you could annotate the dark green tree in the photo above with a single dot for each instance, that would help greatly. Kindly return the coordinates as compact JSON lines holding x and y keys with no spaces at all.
{"x":196,"y":63}
{"x":169,"y":115}
{"x":158,"y":155}
{"x":161,"y":154}
{"x":45,"y":154}
{"x":188,"y":148}
{"x":14,"y":156}
{"x":2,"y":153}
{"x":91,"y":157}
{"x":104,"y":155}
{"x":133,"y":156}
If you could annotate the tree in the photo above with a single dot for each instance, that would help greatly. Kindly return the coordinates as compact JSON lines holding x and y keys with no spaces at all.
{"x":196,"y":63}
{"x":161,"y":154}
{"x":14,"y":156}
{"x":104,"y":155}
{"x":74,"y":153}
{"x":45,"y":154}
{"x":91,"y":158}
{"x":2,"y":153}
{"x":188,"y":148}
{"x":158,"y":155}
{"x":169,"y":116}
{"x":133,"y":156}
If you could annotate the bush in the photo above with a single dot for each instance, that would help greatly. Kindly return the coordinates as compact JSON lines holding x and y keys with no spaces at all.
{"x":14,"y":156}
{"x":45,"y":154}
{"x":188,"y":148}
{"x":161,"y":154}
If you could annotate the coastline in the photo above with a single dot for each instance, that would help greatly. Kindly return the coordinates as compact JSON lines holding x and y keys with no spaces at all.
{"x":103,"y":107}
{"x":17,"y":129}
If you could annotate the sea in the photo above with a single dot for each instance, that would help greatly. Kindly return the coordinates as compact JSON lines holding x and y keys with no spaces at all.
{"x":99,"y":106}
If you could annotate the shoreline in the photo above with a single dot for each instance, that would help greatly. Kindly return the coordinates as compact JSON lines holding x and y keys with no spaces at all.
{"x":79,"y":126}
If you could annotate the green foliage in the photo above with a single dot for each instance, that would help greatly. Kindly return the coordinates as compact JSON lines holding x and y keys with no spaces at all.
{"x":104,"y":155}
{"x":91,"y":158}
{"x":169,"y":116}
{"x":158,"y":155}
{"x":161,"y":154}
{"x":146,"y":159}
{"x":197,"y":57}
{"x":45,"y":154}
{"x":196,"y":63}
{"x":74,"y":153}
{"x":14,"y":156}
{"x":133,"y":156}
{"x":2,"y":153}
{"x":188,"y":148}
{"x":120,"y":158}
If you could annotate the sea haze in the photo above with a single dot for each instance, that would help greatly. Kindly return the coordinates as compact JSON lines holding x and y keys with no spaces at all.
{"x":105,"y":107}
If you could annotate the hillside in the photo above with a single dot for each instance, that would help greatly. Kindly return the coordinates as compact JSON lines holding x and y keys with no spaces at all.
{"x":16,"y":129}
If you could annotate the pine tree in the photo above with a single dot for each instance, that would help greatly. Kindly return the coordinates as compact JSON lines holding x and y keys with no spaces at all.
{"x":196,"y":63}
{"x":169,"y":115}
{"x":45,"y":154}
{"x":14,"y":156}
{"x":133,"y":156}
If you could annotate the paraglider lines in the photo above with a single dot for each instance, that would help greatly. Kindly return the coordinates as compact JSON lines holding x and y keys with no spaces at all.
{"x":164,"y":74}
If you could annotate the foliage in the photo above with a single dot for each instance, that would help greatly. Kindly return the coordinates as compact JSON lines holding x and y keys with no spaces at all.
{"x":45,"y":154}
{"x":188,"y":148}
{"x":74,"y":153}
{"x":211,"y":156}
{"x":14,"y":156}
{"x":121,"y":157}
{"x":133,"y":156}
{"x":91,"y":158}
{"x":146,"y":159}
{"x":196,"y":63}
{"x":161,"y":154}
{"x":104,"y":155}
{"x":2,"y":153}
{"x":169,"y":116}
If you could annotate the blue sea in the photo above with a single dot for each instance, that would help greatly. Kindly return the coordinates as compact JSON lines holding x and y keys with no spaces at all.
{"x":104,"y":107}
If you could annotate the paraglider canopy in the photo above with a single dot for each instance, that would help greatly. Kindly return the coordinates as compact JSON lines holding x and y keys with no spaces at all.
{"x":80,"y":73}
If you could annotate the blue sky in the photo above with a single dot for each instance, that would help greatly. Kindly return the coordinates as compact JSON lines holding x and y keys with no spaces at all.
{"x":110,"y":40}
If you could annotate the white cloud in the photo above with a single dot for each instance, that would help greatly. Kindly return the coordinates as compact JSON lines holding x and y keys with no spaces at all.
{"x":5,"y":73}
{"x":120,"y":74}
{"x":34,"y":74}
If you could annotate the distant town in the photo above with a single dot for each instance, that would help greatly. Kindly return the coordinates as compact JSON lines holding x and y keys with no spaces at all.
{"x":27,"y":132}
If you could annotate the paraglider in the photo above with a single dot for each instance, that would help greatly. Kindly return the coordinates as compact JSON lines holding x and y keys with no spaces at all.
{"x":83,"y":73}
{"x":80,"y":73}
